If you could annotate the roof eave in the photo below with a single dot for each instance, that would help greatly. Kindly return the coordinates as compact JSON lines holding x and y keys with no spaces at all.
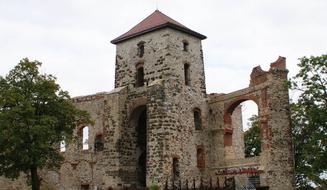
{"x":168,"y":24}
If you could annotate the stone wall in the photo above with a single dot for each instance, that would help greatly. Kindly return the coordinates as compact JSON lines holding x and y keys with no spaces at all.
{"x":96,"y":168}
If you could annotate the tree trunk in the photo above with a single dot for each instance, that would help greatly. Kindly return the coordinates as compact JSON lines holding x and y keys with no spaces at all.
{"x":35,"y":178}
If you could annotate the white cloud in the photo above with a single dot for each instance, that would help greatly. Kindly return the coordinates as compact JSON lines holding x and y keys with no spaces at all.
{"x":72,"y":37}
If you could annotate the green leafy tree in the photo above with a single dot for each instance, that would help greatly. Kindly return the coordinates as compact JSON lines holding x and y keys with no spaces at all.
{"x":309,"y":118}
{"x":35,"y":116}
{"x":252,"y":140}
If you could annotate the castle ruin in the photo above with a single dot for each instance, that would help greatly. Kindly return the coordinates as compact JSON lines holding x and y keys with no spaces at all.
{"x":160,"y":126}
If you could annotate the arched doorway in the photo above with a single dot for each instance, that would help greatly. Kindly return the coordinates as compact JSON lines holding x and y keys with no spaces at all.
{"x":242,"y":136}
{"x":138,"y":121}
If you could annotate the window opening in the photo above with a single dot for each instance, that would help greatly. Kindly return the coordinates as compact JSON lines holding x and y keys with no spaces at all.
{"x":200,"y":157}
{"x":85,"y":139}
{"x":139,"y":76}
{"x":197,"y":119}
{"x":185,"y":46}
{"x":98,"y":143}
{"x":187,"y":74}
{"x":140,"y":49}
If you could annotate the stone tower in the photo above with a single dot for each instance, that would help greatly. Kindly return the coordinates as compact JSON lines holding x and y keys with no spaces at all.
{"x":161,"y":63}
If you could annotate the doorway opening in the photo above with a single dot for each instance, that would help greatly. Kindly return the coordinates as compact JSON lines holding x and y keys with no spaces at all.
{"x":140,"y":118}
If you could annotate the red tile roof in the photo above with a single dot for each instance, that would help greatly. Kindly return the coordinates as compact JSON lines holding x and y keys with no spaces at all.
{"x":156,"y":20}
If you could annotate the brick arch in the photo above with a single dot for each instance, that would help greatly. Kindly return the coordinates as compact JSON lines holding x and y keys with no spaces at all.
{"x":230,"y":107}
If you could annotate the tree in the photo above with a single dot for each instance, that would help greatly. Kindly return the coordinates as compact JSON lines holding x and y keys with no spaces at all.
{"x":309,"y":118}
{"x":252,"y":140}
{"x":35,"y":116}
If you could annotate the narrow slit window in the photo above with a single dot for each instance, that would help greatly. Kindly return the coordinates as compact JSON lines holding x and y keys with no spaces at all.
{"x":85,"y":139}
{"x":197,"y":119}
{"x":139,"y":76}
{"x":185,"y":46}
{"x":187,"y":74}
{"x":140,"y":49}
{"x":200,"y":157}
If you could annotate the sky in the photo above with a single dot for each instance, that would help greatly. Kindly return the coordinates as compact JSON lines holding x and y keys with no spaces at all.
{"x":72,"y":37}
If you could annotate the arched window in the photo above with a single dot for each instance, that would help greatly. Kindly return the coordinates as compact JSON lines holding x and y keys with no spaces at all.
{"x":197,"y":119}
{"x":98,"y":143}
{"x":139,"y":75}
{"x":140,"y":49}
{"x":187,"y":74}
{"x":200,"y":155}
{"x":85,"y":138}
{"x":185,"y":45}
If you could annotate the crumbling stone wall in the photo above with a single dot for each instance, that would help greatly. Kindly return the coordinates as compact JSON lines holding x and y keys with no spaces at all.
{"x":96,"y":168}
{"x":268,"y":89}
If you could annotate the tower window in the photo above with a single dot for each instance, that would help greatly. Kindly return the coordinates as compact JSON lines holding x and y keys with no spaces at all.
{"x":187,"y":74}
{"x":185,"y":46}
{"x":200,"y":157}
{"x":197,"y":119}
{"x":85,"y":138}
{"x":139,"y":75}
{"x":140,"y":49}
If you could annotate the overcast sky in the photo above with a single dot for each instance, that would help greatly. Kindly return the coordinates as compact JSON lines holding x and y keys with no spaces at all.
{"x":72,"y":37}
